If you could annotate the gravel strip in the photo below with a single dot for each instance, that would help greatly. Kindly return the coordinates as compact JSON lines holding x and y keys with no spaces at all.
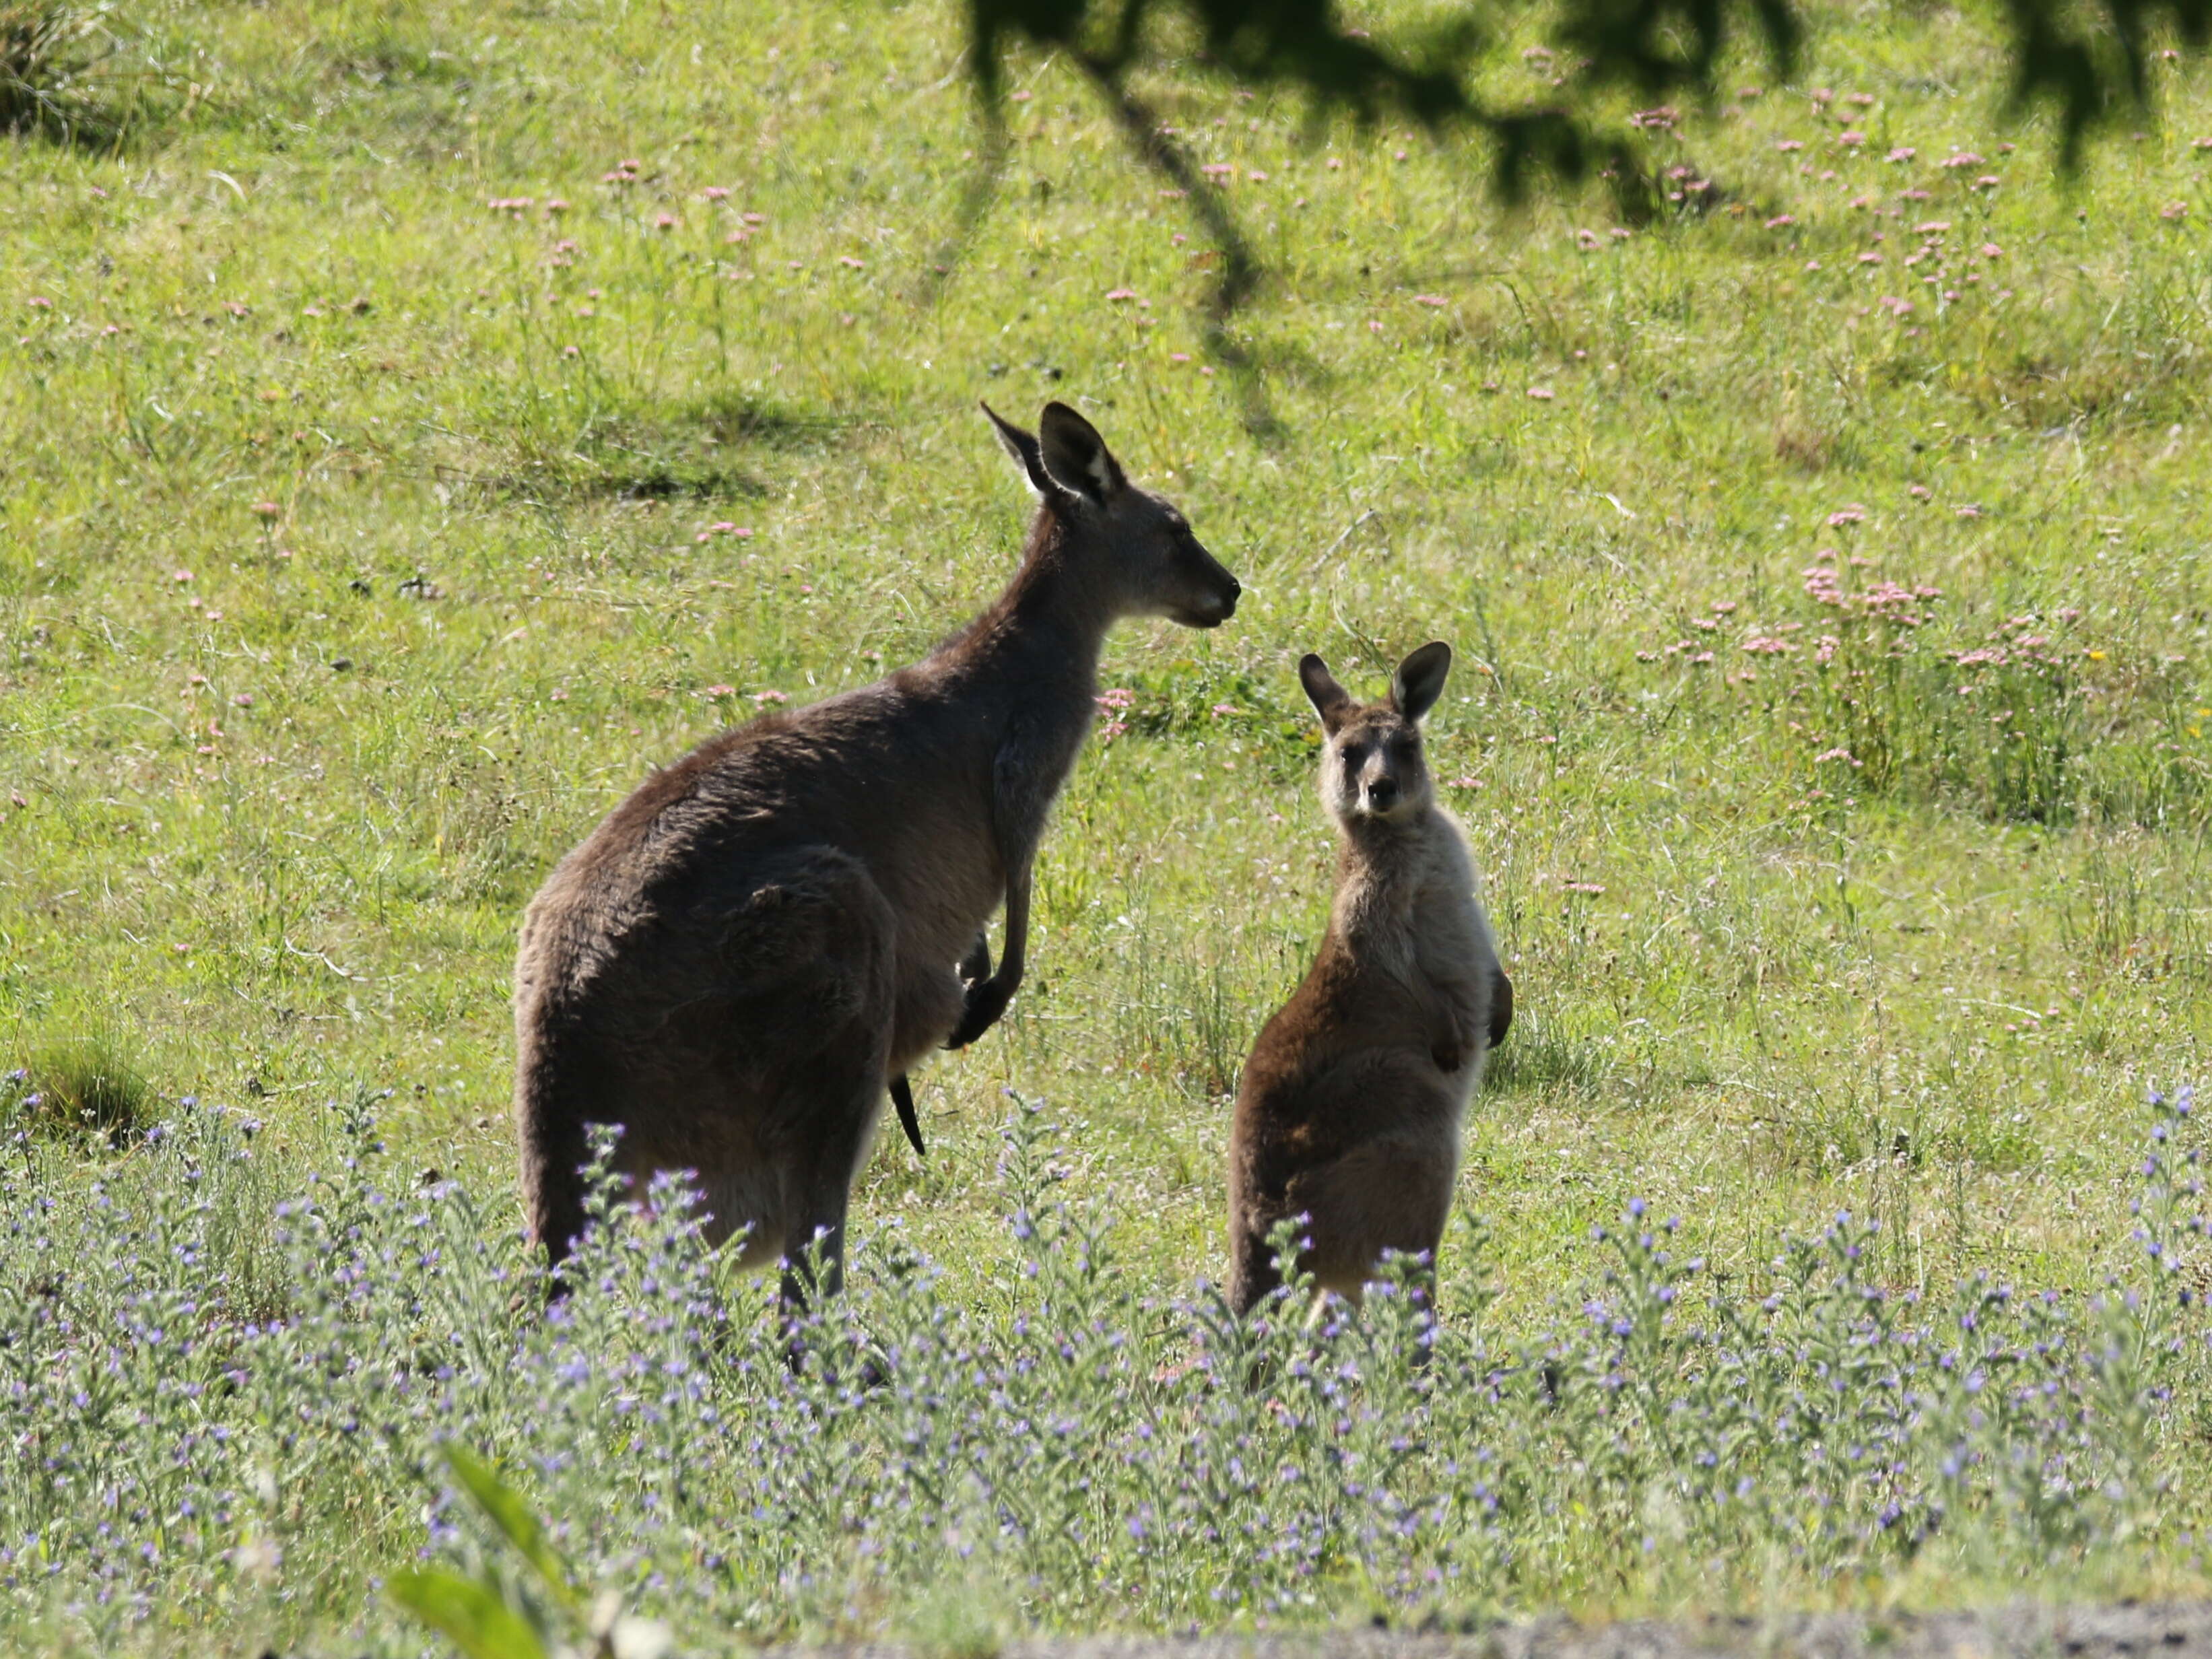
{"x":2167,"y":1631}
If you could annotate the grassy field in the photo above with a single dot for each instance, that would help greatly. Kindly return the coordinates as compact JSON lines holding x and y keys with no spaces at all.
{"x":436,"y":415}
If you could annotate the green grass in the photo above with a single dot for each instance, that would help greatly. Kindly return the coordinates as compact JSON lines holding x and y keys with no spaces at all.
{"x":276,"y":785}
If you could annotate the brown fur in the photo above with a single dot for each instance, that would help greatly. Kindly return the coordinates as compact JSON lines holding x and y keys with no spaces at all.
{"x":733,"y":965}
{"x":1349,"y":1109}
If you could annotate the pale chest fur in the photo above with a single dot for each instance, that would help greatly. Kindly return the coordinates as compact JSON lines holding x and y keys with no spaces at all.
{"x":1409,"y":905}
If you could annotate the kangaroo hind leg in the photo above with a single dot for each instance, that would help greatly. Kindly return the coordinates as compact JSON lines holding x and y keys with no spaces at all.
{"x":846,"y":1086}
{"x":1386,"y":1195}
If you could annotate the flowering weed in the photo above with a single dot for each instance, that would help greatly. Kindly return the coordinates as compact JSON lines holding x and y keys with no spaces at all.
{"x":1109,"y":1458}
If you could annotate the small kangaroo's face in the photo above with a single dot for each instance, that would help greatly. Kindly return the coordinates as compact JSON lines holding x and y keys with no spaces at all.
{"x":1373,"y":766}
{"x":1140,"y":542}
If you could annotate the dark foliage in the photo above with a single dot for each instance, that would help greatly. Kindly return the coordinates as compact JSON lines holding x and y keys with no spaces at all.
{"x":2087,"y":57}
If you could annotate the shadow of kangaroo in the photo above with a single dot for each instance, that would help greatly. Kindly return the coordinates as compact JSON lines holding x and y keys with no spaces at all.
{"x":1349,"y":1109}
{"x":736,"y":963}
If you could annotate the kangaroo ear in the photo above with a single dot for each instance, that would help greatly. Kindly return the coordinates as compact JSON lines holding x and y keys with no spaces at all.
{"x":1330,"y":700}
{"x":1023,"y":447}
{"x":1420,"y":680}
{"x":1076,"y":457}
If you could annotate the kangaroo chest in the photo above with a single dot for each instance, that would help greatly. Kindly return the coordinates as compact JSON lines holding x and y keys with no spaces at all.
{"x":1413,"y":914}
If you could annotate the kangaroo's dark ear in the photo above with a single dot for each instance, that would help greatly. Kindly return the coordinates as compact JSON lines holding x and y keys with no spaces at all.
{"x":1023,"y":447}
{"x":1076,"y":457}
{"x":1420,"y":680}
{"x":1331,"y":700}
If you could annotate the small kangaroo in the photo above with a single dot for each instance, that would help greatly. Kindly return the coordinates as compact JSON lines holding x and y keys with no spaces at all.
{"x":1350,"y":1107}
{"x":738,"y":961}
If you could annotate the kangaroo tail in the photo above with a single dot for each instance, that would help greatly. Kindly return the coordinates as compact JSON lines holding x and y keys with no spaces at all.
{"x":549,"y":1122}
{"x":903,"y":1097}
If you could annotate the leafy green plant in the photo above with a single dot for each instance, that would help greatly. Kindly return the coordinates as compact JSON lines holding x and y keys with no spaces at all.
{"x":68,"y":72}
{"x":537,"y":1612}
{"x":82,"y":1086}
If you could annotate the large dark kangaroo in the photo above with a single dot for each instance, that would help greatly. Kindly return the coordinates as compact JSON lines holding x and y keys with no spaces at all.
{"x":1349,"y":1109}
{"x":735,"y":965}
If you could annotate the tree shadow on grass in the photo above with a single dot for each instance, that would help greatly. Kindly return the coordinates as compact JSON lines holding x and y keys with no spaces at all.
{"x":701,"y":449}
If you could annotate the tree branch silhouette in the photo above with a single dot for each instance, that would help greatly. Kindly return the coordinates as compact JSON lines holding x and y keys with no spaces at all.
{"x":2088,"y":57}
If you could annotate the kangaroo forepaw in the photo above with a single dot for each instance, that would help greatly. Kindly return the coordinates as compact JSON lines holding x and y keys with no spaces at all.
{"x":986,"y":1000}
{"x":975,"y":966}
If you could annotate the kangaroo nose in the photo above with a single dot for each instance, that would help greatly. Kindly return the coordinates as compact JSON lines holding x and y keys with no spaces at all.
{"x":1383,"y":794}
